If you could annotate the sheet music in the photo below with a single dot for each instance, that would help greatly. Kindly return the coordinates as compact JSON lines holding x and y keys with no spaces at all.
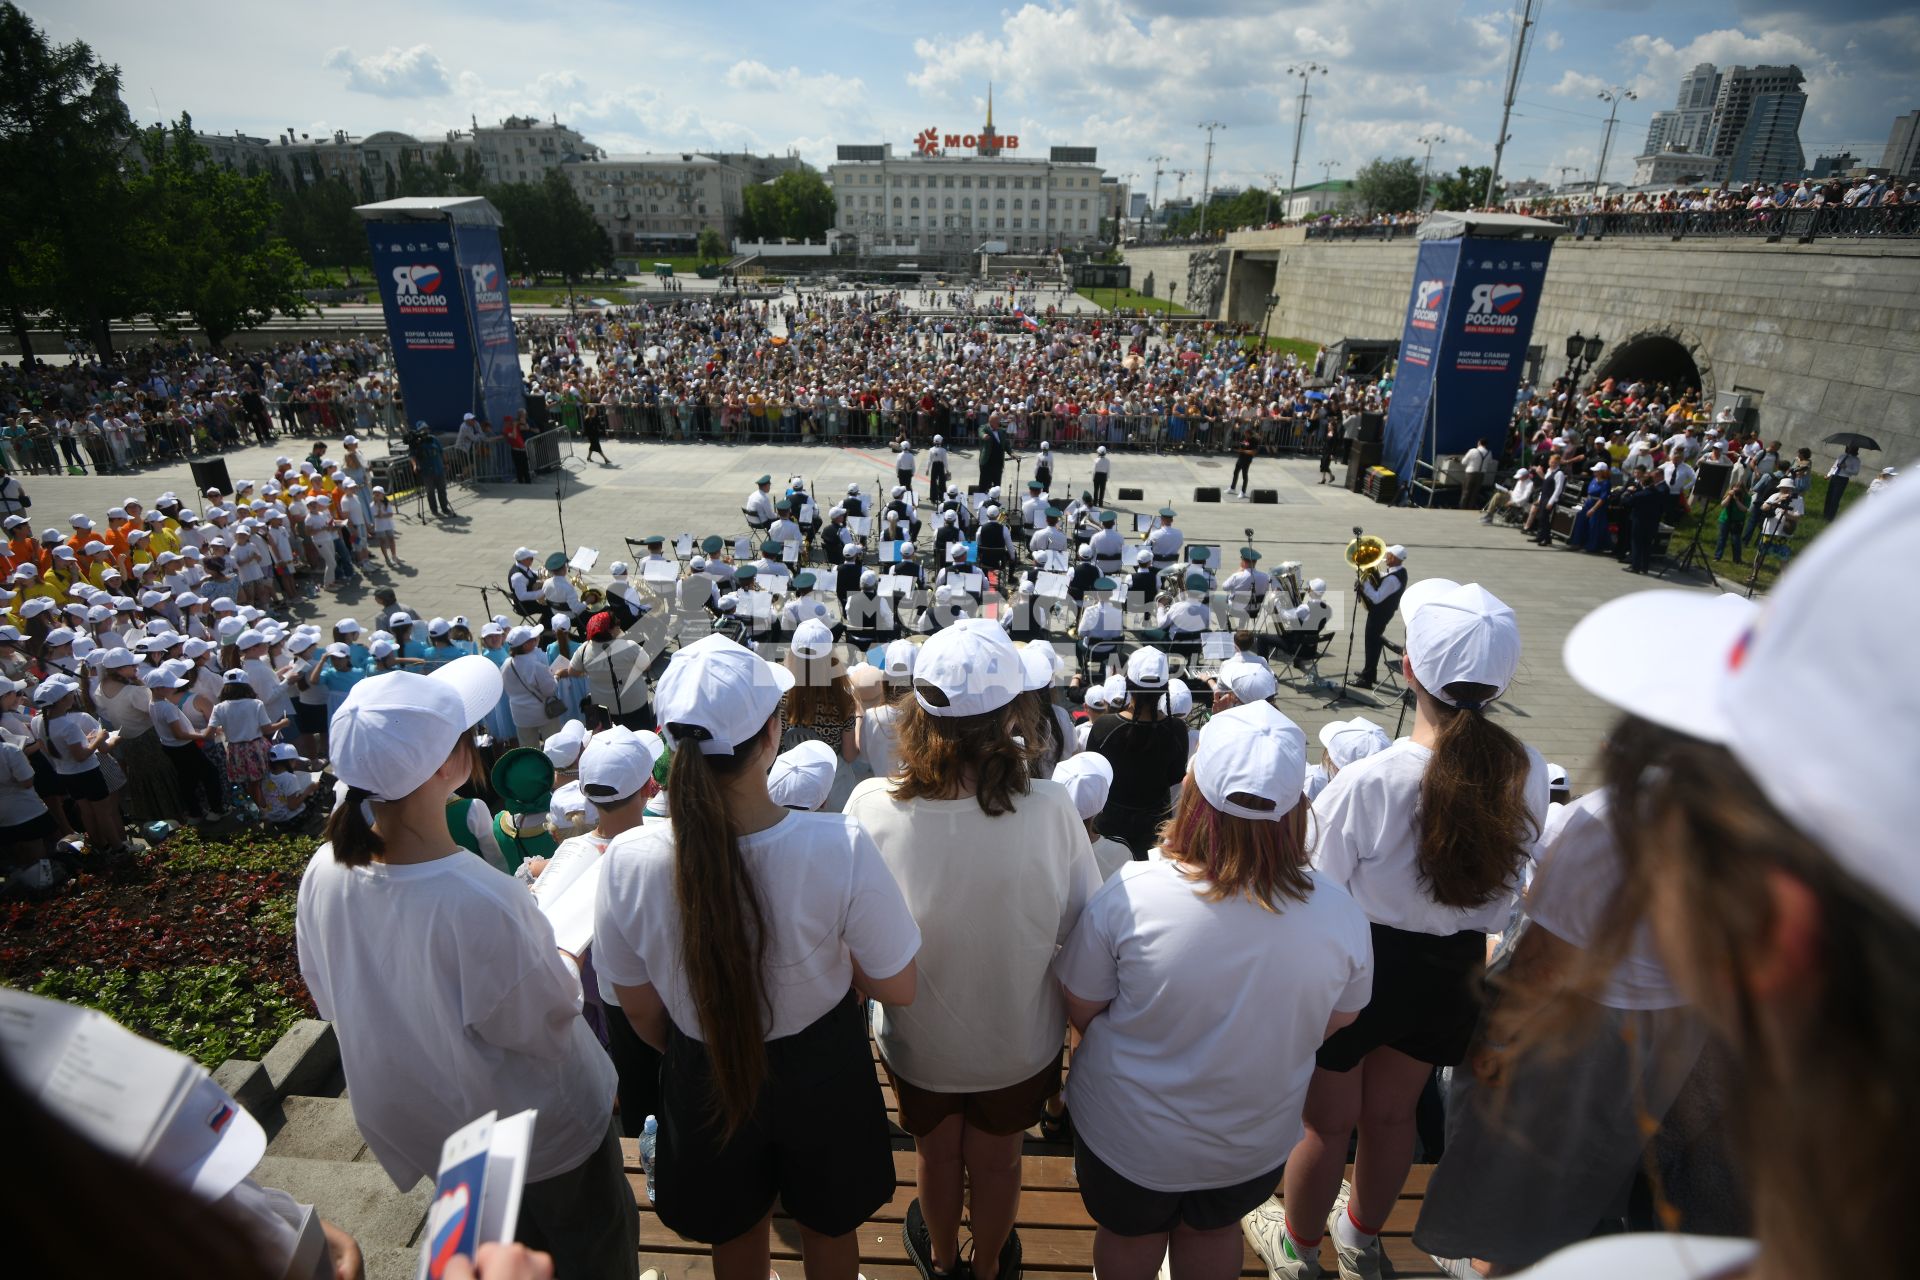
{"x":583,"y":560}
{"x":658,"y":571}
{"x":1142,"y":523}
{"x":1051,"y":585}
{"x":1216,"y":646}
{"x":790,"y":552}
{"x":859,"y":526}
{"x":683,"y":546}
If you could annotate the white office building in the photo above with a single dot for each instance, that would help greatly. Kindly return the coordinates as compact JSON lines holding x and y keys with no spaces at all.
{"x":659,"y":202}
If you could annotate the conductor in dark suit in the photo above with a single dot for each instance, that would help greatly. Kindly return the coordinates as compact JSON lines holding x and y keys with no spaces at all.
{"x":995,"y":445}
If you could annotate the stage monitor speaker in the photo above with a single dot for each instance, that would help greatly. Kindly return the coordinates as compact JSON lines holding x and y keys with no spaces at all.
{"x":1133,"y":495}
{"x":1364,"y":456}
{"x":1266,"y":495}
{"x":1207,"y":495}
{"x":1710,"y":482}
{"x":1373,"y":427}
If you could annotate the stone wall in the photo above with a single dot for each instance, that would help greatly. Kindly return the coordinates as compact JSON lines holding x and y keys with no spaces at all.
{"x":1825,"y":336}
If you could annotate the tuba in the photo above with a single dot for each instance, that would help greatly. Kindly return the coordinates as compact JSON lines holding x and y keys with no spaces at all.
{"x":1365,"y":553}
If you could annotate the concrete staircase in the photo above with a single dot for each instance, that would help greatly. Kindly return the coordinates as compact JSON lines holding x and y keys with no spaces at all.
{"x":318,"y":1158}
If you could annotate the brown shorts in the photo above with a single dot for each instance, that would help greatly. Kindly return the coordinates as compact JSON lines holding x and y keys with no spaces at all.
{"x":1003,"y":1112}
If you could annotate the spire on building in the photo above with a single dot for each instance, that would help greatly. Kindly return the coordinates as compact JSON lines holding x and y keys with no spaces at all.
{"x":989,"y":106}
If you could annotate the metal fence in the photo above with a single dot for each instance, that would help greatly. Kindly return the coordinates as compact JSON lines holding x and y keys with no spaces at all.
{"x":1196,"y":432}
{"x":1799,"y":225}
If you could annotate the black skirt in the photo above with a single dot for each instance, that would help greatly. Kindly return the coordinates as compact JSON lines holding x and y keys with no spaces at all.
{"x":1427,"y":995}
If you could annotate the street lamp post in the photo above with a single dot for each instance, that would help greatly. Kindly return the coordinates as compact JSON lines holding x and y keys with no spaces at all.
{"x":1206,"y":173}
{"x":1582,"y":352}
{"x":1611,"y":96}
{"x":1426,"y":166}
{"x":1306,"y":74}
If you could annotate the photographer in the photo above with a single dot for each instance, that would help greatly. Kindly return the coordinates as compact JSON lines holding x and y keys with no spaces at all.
{"x":429,"y":464}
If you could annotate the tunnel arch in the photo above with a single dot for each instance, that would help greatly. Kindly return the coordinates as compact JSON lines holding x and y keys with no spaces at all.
{"x":1659,"y":355}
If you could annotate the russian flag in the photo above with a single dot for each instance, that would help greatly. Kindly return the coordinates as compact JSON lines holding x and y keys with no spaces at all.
{"x":1026,"y":321}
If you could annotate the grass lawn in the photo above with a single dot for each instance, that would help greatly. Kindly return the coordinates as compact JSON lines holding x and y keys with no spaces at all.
{"x":1131,"y":299}
{"x":1736,"y":576}
{"x":557,"y":295}
{"x":1299,"y":348}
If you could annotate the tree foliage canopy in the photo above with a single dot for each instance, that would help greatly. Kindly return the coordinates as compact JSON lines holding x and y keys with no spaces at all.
{"x":1385,"y":186}
{"x":1464,"y":189}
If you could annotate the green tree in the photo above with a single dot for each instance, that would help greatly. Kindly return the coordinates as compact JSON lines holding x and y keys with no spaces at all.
{"x":1385,"y":186}
{"x":206,"y":239}
{"x":523,"y":216}
{"x":759,"y":219}
{"x":803,"y":204}
{"x":63,"y":129}
{"x":574,"y":243}
{"x":1466,"y":188}
{"x":712,"y":246}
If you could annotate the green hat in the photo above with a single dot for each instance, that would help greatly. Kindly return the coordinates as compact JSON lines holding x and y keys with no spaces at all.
{"x":1198,"y":555}
{"x":652,"y":540}
{"x":1250,"y":555}
{"x":1053,"y":513}
{"x":1109,"y":516}
{"x":663,"y":764}
{"x":556,"y":562}
{"x":1197,"y":582}
{"x":781,"y":504}
{"x":523,"y":779}
{"x":1167,"y":512}
{"x":1035,"y":486}
{"x":764,"y":480}
{"x":746,"y":572}
{"x":1086,"y":495}
{"x":770,"y":549}
{"x":1105,"y":584}
{"x":712,"y":543}
{"x":803,"y":582}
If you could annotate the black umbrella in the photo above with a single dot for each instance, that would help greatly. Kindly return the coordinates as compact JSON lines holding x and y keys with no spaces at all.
{"x":1852,"y":440}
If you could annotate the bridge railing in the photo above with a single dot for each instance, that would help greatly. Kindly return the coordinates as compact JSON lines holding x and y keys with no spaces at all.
{"x":1798,"y":225}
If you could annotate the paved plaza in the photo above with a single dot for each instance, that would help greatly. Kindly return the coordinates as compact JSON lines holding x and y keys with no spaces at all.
{"x":697,"y":488}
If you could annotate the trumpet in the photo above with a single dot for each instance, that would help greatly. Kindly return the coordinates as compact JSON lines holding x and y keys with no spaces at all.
{"x":1365,"y":553}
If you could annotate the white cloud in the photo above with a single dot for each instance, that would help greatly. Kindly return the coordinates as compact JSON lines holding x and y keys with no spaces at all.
{"x":1552,"y":41}
{"x":1577,"y":84}
{"x":396,"y":73}
{"x":826,"y":89}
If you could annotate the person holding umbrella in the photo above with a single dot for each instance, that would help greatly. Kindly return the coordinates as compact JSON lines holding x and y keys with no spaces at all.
{"x":1839,"y":475}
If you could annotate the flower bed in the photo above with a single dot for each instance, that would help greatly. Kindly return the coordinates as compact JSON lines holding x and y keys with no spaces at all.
{"x":191,"y":943}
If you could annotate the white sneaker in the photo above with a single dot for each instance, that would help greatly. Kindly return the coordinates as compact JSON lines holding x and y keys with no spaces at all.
{"x":1357,"y":1262}
{"x":1266,"y":1231}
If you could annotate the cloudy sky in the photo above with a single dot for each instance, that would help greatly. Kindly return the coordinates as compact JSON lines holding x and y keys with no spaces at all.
{"x":1132,"y":77}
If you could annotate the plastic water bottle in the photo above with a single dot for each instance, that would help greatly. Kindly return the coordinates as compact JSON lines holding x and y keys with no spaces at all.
{"x":649,"y":1138}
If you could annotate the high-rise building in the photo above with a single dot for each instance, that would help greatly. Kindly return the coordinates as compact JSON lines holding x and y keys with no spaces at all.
{"x":1901,"y":159}
{"x":1687,"y":126}
{"x":1756,"y":124}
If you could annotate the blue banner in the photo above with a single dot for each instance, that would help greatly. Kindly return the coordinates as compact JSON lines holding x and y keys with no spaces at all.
{"x":495,"y":351}
{"x":1463,"y":348}
{"x":427,"y":319}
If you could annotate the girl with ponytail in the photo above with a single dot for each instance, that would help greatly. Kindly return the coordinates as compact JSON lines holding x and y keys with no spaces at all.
{"x":1429,"y":837}
{"x":441,"y":976}
{"x":741,"y":940}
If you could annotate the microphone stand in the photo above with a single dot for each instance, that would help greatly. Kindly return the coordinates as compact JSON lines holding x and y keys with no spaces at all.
{"x":1341,"y":694}
{"x":559,"y":492}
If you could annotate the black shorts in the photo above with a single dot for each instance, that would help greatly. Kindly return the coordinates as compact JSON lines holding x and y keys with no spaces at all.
{"x":38,"y":827}
{"x":1427,"y":994}
{"x":310,"y":717}
{"x":1126,"y":1208}
{"x":817,"y":1139}
{"x":89,"y":784}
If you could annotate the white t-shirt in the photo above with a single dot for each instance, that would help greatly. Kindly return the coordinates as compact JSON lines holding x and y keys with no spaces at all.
{"x":995,"y":898}
{"x":1579,"y":874}
{"x":529,"y":682}
{"x":126,"y":708}
{"x":880,"y":738}
{"x":66,"y":734}
{"x":1647,"y":1257}
{"x":1109,"y":855}
{"x":171,"y":723}
{"x":240,"y":719}
{"x":18,"y":801}
{"x":1367,"y":837}
{"x":450,"y":1000}
{"x":1195,"y":1074}
{"x":828,"y":901}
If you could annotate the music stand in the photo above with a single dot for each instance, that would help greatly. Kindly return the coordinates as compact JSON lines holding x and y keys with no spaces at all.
{"x":1341,"y":695}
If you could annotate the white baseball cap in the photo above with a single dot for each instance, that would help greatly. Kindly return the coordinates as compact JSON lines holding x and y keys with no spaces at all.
{"x":284,"y":751}
{"x":1038,"y":665}
{"x":1179,"y":698}
{"x":802,"y":777}
{"x":898,"y":661}
{"x":970,"y":671}
{"x":1719,"y":668}
{"x":1248,"y":680}
{"x":562,"y":747}
{"x":1249,"y":754}
{"x":395,"y":729}
{"x":813,"y":638}
{"x":1087,"y":777}
{"x":520,"y":635}
{"x":618,"y":762}
{"x":1349,"y":740}
{"x":1095,"y":698}
{"x":718,"y":694}
{"x":1147,"y":668}
{"x":1459,"y":634}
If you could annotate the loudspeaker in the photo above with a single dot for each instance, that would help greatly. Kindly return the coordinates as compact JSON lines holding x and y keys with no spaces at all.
{"x":1266,"y":495}
{"x":211,"y":474}
{"x":1133,"y":495}
{"x":1364,"y":456}
{"x":1373,"y":427}
{"x":1207,"y":495}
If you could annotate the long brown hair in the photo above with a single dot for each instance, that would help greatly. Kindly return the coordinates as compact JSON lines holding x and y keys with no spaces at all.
{"x":821,"y":692}
{"x":1824,"y":1111}
{"x":936,"y":752}
{"x":355,"y":842}
{"x":1475,"y":829}
{"x":1260,"y":861}
{"x":723,"y":935}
